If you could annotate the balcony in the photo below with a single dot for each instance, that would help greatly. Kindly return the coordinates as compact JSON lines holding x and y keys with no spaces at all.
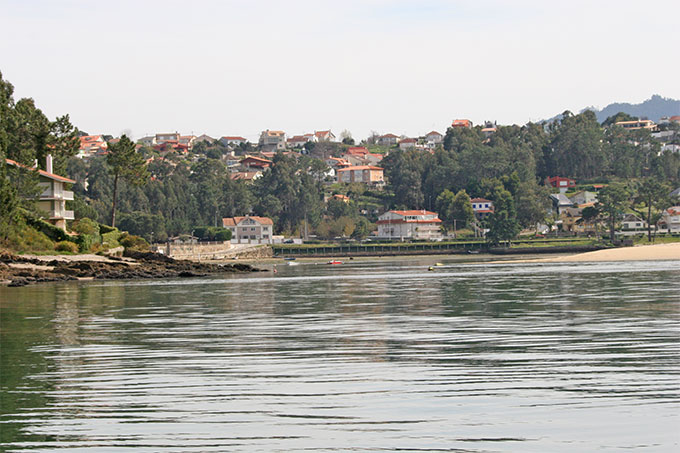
{"x":50,"y":194}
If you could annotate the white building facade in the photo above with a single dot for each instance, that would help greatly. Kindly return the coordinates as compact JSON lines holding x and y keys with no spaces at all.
{"x":416,"y":224}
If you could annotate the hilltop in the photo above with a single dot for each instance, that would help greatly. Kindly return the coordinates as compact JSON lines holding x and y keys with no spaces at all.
{"x":653,"y":108}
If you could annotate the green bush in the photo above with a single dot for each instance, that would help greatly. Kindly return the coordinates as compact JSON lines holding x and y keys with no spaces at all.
{"x":86,"y":226}
{"x":66,"y":246}
{"x":54,"y":233}
{"x":132,"y":242}
{"x":110,"y":239}
{"x":103,"y":229}
{"x":223,"y":235}
{"x":23,"y":238}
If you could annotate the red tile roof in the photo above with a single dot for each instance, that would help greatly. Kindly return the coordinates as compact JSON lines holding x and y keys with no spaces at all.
{"x":415,"y":212}
{"x":233,"y":221}
{"x":361,"y":167}
{"x":480,"y":200}
{"x":41,"y":172}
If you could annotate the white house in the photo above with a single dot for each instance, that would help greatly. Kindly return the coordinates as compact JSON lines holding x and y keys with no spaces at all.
{"x":273,"y":140}
{"x":434,"y":137}
{"x":407,"y":143}
{"x":388,"y":140}
{"x":482,"y":207}
{"x":250,"y":229}
{"x":232,"y":140}
{"x":670,"y":220}
{"x":415,"y":224}
{"x":54,"y":195}
{"x":169,"y":137}
{"x":632,"y":222}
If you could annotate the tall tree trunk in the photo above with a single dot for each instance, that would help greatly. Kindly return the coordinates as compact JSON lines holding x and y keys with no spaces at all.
{"x":113,"y":205}
{"x":649,"y":219}
{"x":611,"y":228}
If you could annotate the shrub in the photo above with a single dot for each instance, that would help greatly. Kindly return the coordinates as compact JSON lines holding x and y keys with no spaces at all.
{"x":110,"y":239}
{"x":66,"y":246}
{"x":86,"y":226}
{"x":223,"y":235}
{"x":49,"y":230}
{"x":132,"y":242}
{"x":103,"y":229}
{"x":23,"y":238}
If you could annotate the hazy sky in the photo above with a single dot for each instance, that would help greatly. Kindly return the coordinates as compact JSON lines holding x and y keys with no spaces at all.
{"x":402,"y":66}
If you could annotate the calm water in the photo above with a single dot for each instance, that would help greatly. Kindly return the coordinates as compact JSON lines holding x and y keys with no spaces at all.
{"x":367,"y":356}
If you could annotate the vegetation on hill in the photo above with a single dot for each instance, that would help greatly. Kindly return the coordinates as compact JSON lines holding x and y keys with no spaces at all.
{"x":183,"y":192}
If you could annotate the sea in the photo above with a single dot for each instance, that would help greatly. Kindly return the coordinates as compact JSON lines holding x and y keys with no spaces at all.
{"x":371,"y":355}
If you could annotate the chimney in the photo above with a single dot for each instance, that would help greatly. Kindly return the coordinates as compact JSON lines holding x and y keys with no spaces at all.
{"x":48,"y":163}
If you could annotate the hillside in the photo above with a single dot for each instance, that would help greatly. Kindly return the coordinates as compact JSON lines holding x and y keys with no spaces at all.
{"x":653,"y":108}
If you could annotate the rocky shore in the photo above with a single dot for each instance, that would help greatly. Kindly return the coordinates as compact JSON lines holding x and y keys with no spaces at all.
{"x":17,"y":270}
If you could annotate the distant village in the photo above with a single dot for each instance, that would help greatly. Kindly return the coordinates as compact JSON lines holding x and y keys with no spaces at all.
{"x":346,"y":162}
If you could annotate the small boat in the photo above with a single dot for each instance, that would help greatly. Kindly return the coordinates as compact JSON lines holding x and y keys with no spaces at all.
{"x":334,"y":262}
{"x":472,"y":252}
{"x":292,"y":263}
{"x":438,"y":264}
{"x":289,"y":258}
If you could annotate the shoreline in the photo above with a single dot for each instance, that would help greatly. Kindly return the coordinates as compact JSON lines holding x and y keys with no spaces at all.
{"x":18,"y":270}
{"x":653,"y":252}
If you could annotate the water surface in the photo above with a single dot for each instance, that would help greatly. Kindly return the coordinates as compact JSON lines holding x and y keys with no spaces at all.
{"x":366,"y":356}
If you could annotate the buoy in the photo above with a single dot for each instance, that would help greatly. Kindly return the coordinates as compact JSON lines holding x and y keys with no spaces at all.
{"x":430,"y":268}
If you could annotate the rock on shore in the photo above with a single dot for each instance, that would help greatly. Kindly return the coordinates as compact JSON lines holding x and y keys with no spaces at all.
{"x":19,"y":271}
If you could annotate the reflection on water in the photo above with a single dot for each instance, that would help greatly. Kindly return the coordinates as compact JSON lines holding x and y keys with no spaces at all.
{"x":371,"y":356}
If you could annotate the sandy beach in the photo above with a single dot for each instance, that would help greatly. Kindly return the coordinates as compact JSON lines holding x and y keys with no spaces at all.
{"x":640,"y":253}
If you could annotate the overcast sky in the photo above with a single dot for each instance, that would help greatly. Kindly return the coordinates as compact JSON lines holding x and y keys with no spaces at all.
{"x":402,"y":66}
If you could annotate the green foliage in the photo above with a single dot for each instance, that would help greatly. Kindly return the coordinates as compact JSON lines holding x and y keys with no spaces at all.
{"x":132,"y":242}
{"x":24,"y":238}
{"x":612,"y":202}
{"x":66,"y":246}
{"x":54,"y":233}
{"x":86,"y":226}
{"x":125,"y":163}
{"x":208,"y":233}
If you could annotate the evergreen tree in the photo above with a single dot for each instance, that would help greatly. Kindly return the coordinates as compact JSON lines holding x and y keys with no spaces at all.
{"x":125,"y":163}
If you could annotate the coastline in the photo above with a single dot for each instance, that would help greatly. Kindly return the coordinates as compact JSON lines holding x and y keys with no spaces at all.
{"x":18,"y":270}
{"x":654,"y":252}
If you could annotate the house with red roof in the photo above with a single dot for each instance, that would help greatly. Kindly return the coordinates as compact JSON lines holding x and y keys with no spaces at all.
{"x":560,"y":182}
{"x":272,"y":140}
{"x":434,"y":138}
{"x":324,"y":136}
{"x":407,"y":143}
{"x":255,"y":162}
{"x":482,"y":207}
{"x":249,"y":229}
{"x":232,"y":140}
{"x":462,"y":123}
{"x":91,"y":145}
{"x":670,"y":220}
{"x":413,"y":224}
{"x":298,"y":141}
{"x":53,"y":196}
{"x":388,"y":140}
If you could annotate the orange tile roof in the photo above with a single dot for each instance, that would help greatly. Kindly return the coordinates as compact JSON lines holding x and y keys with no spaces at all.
{"x":41,"y":172}
{"x":361,"y":167}
{"x":415,"y":212}
{"x":233,"y":221}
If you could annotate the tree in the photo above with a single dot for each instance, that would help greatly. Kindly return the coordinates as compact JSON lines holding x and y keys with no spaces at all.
{"x":590,"y":216}
{"x":651,"y":194}
{"x":503,"y":225}
{"x":455,"y":210}
{"x":124,"y":162}
{"x":612,"y":201}
{"x":346,"y":138}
